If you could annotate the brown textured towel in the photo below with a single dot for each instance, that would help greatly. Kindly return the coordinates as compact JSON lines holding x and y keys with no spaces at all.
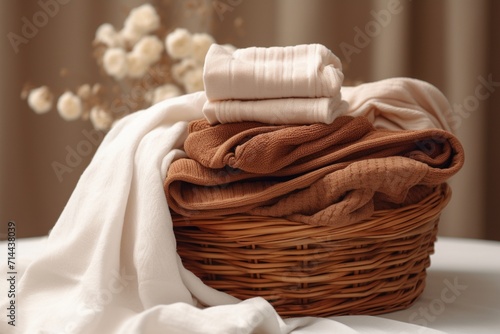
{"x":263,"y":149}
{"x":380,"y":169}
{"x":287,"y":150}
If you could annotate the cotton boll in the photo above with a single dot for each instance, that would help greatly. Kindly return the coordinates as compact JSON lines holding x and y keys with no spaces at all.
{"x":165,"y":92}
{"x":107,"y":35}
{"x":179,"y":43}
{"x":149,"y":48}
{"x":96,"y":88}
{"x":129,"y":37}
{"x":137,"y":66}
{"x":201,"y":44}
{"x":84,"y":91}
{"x":69,"y":106}
{"x":143,"y":19}
{"x":101,"y":120}
{"x":115,"y":62}
{"x":180,"y":69}
{"x":193,"y":80}
{"x":40,"y":99}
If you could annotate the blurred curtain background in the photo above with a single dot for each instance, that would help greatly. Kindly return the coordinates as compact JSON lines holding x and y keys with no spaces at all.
{"x":453,"y":44}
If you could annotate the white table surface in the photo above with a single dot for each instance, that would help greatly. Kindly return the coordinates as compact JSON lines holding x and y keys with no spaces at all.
{"x":462,"y":293}
{"x":472,"y":304}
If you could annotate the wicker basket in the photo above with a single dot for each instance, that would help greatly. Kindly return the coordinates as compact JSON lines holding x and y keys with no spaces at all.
{"x":375,"y":266}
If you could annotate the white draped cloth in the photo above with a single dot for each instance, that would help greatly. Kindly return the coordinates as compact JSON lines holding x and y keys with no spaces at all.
{"x":110,"y":264}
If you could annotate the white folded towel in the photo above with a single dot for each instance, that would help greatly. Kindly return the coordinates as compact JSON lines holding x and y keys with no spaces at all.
{"x":269,"y":73}
{"x":276,"y":111}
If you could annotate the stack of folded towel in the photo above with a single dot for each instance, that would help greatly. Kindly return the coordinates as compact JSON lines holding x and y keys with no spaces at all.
{"x":391,"y":149}
{"x":317,"y":174}
{"x":277,"y":85}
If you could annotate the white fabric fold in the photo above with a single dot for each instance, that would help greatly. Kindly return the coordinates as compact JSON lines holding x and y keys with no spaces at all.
{"x":276,"y":111}
{"x":110,"y":263}
{"x":308,"y":70}
{"x":401,"y":103}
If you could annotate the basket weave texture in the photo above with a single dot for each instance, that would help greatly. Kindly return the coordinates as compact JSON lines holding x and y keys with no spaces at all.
{"x":375,"y":266}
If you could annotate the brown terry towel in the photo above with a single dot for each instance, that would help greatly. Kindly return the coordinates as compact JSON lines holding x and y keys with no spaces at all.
{"x":261,"y":148}
{"x":379,"y":169}
{"x":287,"y":150}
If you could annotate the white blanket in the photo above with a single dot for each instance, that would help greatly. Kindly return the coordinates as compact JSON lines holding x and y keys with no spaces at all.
{"x":110,"y":264}
{"x":401,"y":103}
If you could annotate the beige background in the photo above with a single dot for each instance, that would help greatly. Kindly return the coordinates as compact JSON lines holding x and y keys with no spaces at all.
{"x":449,"y":43}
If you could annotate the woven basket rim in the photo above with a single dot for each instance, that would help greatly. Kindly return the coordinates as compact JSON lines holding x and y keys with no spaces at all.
{"x":427,"y":209}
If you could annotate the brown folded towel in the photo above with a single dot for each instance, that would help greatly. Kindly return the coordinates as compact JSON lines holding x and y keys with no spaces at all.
{"x":261,"y":148}
{"x":358,"y":175}
{"x":287,"y":150}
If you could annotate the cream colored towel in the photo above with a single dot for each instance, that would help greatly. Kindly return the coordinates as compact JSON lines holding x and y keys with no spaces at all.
{"x":268,"y":73}
{"x":401,"y":104}
{"x":276,"y":111}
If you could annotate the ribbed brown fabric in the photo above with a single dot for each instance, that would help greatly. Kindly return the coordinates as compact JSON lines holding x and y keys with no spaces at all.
{"x":286,"y":150}
{"x":262,"y":148}
{"x":337,"y":184}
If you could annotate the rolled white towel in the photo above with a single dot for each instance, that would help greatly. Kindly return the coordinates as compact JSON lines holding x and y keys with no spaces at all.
{"x":276,"y":111}
{"x":309,"y":70}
